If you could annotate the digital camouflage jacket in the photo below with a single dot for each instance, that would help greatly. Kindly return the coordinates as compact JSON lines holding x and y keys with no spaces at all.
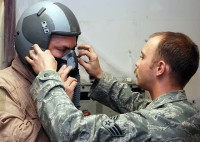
{"x":168,"y":118}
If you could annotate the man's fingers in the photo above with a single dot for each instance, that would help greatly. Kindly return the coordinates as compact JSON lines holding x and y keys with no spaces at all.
{"x":48,"y":51}
{"x":73,"y":84}
{"x":29,"y":60}
{"x":64,"y":71}
{"x":36,"y":49}
{"x":82,"y":62}
{"x":32,"y":54}
{"x":86,"y":47}
{"x":70,"y":84}
{"x":41,"y":60}
{"x":69,"y":81}
{"x":85,"y":53}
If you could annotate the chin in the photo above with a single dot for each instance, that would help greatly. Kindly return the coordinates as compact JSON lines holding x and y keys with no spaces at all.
{"x":137,"y":83}
{"x":58,"y":55}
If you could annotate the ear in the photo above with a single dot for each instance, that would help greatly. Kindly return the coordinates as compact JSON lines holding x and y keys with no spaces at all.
{"x":161,"y":68}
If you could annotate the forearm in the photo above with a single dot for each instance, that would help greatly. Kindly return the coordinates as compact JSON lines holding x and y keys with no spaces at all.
{"x":64,"y":122}
{"x":55,"y":109}
{"x":115,"y":95}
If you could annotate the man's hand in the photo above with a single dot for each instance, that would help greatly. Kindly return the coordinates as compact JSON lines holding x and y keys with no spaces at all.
{"x":70,"y":83}
{"x":92,"y":67}
{"x":41,"y":60}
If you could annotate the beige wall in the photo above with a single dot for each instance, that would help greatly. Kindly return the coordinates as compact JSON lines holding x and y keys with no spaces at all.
{"x":1,"y":33}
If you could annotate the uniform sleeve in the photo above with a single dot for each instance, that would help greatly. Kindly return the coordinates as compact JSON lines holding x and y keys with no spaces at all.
{"x":14,"y":126}
{"x":64,"y":122}
{"x":117,"y":96}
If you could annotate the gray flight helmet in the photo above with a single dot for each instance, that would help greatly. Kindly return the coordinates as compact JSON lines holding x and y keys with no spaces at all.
{"x":39,"y":22}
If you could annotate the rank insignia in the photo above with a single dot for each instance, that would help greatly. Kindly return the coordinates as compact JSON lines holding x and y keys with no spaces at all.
{"x":113,"y":128}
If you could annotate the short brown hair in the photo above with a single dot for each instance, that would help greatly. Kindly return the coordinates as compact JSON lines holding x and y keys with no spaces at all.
{"x":180,"y":52}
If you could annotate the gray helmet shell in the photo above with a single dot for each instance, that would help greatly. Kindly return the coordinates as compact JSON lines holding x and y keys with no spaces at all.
{"x":39,"y":22}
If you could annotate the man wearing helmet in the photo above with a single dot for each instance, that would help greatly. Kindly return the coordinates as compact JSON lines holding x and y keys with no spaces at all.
{"x":51,"y":26}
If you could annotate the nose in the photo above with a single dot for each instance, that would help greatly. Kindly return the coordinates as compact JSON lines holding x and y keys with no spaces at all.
{"x":136,"y":66}
{"x":137,"y":63}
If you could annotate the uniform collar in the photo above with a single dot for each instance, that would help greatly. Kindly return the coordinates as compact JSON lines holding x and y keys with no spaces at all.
{"x":170,"y":97}
{"x":22,"y":69}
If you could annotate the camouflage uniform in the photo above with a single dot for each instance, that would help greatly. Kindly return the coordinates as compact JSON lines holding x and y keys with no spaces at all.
{"x":168,"y":118}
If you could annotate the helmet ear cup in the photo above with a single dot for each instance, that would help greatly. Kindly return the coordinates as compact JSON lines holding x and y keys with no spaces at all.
{"x":39,"y":31}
